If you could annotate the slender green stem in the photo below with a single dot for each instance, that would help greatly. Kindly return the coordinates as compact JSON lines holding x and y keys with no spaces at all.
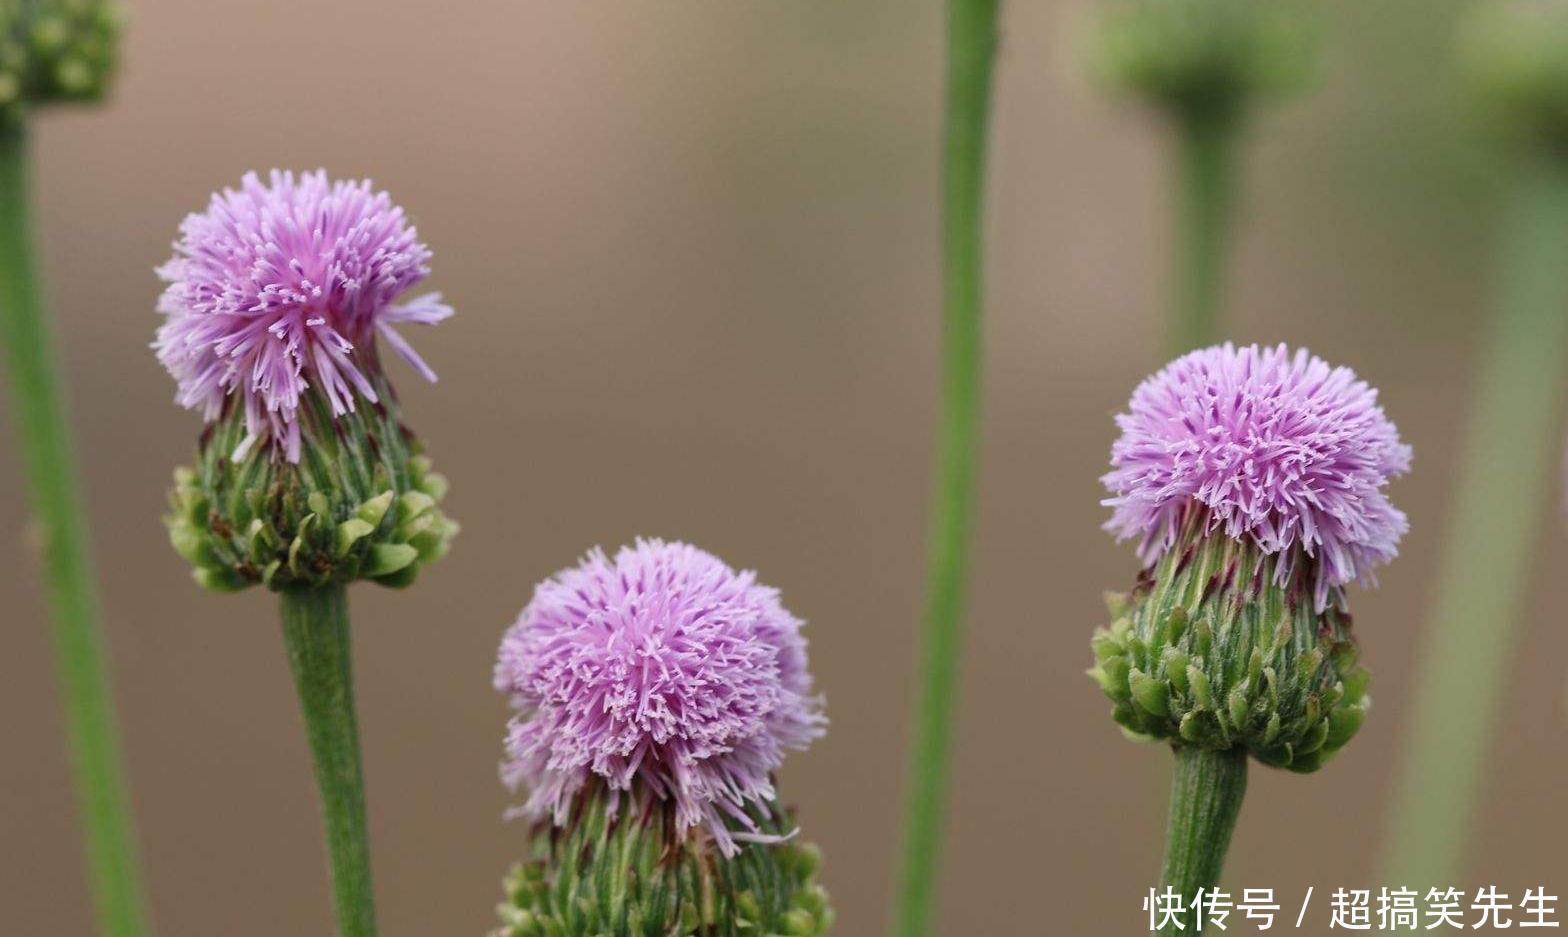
{"x":1205,"y":187}
{"x":1505,"y":493}
{"x":43,"y":436}
{"x":971,"y":48}
{"x":1206,"y":793}
{"x":315,"y":631}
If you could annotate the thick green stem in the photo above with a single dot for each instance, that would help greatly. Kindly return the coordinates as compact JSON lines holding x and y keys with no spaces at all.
{"x":1505,"y":493}
{"x":971,"y":48}
{"x":1206,"y":793}
{"x":1205,"y":188}
{"x":315,"y":631}
{"x":43,"y":436}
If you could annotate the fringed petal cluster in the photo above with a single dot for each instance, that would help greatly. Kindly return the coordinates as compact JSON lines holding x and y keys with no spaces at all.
{"x":1280,"y":448}
{"x":284,"y":285}
{"x":664,"y":673}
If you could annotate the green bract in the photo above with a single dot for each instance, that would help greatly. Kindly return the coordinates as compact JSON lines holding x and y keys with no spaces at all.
{"x":55,"y":50}
{"x":1204,"y":58}
{"x":1209,"y":651}
{"x":362,"y":503}
{"x":637,"y":876}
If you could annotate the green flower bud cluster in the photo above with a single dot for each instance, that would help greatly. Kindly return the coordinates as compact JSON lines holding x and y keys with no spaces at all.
{"x":1513,"y":57}
{"x":362,"y":503}
{"x":1204,"y":58}
{"x":635,"y":875}
{"x":55,"y":50}
{"x":1209,"y":651}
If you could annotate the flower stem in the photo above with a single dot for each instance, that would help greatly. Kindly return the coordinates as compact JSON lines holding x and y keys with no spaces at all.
{"x":1504,"y":495}
{"x":43,"y":437}
{"x":971,"y":47}
{"x":1205,"y":188}
{"x":1206,"y":793}
{"x":315,"y":632}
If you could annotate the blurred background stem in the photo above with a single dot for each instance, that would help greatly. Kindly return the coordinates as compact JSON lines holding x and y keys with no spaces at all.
{"x":971,"y":40}
{"x":1205,"y":184}
{"x":315,"y":632}
{"x":43,"y":438}
{"x":1505,"y":493}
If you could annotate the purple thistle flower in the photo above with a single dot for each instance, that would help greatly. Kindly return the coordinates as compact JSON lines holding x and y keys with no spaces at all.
{"x":284,"y":286}
{"x":665,"y":668}
{"x":1279,"y":448}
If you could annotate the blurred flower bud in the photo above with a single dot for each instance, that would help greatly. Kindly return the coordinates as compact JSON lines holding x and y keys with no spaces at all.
{"x":1204,"y":59}
{"x":56,"y":50}
{"x":1513,"y":59}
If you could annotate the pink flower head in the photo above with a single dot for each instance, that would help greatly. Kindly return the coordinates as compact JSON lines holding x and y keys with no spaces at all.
{"x":662,"y":667}
{"x":1279,"y":448}
{"x":283,"y":286}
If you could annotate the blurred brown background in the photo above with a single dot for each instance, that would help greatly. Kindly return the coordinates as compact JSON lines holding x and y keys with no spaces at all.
{"x":693,"y":250}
